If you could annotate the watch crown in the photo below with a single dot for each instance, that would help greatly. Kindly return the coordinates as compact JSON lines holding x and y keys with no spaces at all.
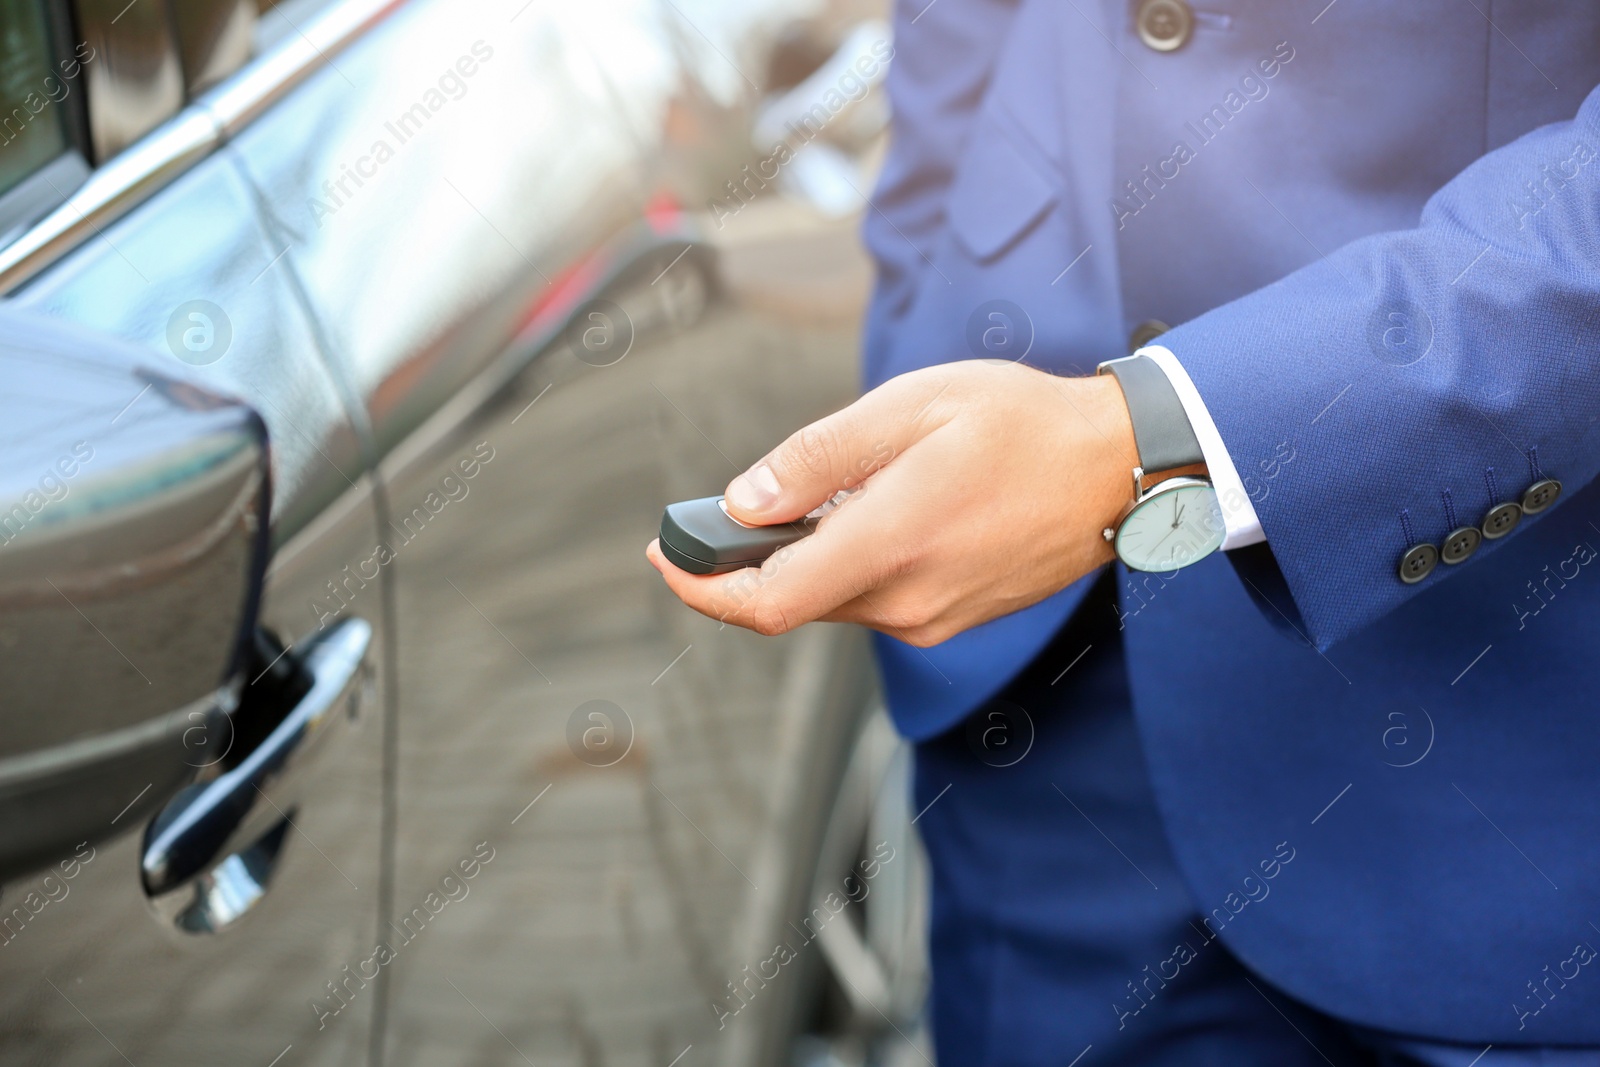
{"x":1109,"y":534}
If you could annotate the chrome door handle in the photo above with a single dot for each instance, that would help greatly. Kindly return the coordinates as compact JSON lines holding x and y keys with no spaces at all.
{"x":209,"y":821}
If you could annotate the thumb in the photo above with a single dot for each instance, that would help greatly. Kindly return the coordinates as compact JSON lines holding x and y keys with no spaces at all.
{"x":834,"y":453}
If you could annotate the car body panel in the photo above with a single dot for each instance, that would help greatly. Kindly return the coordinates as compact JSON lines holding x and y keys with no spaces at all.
{"x":105,"y":967}
{"x":614,"y":751}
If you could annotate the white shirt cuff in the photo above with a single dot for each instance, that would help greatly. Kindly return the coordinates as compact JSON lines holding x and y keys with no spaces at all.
{"x":1239,"y":518}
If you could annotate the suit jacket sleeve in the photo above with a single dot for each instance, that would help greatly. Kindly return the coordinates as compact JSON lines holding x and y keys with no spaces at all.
{"x":1417,"y":378}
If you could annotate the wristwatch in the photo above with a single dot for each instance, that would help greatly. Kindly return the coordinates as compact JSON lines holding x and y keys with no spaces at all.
{"x":1173,"y":521}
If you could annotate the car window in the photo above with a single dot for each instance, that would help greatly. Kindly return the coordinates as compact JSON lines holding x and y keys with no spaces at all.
{"x":33,"y":127}
{"x":42,"y":138}
{"x":214,"y":38}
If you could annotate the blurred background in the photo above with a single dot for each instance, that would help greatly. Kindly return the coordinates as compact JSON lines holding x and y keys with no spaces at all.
{"x":350,"y":352}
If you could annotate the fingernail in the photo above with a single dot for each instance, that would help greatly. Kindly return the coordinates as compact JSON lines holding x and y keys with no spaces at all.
{"x":755,"y":490}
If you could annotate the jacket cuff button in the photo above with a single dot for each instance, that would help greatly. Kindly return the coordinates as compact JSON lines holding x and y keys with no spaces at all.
{"x":1418,"y":563}
{"x":1502,"y":519}
{"x":1460,"y":543}
{"x":1540,"y":495}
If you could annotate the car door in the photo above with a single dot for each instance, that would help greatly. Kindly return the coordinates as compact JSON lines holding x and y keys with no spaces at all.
{"x":608,"y":807}
{"x":224,"y":906}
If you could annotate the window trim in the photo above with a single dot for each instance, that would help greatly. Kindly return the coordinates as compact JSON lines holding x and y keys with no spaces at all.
{"x":158,"y":158}
{"x":47,"y":187}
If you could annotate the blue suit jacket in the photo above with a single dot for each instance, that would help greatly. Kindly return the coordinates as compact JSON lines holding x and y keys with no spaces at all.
{"x":1378,"y":230}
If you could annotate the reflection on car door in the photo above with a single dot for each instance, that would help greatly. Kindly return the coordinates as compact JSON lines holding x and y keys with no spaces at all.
{"x":230,"y":959}
{"x":548,"y":354}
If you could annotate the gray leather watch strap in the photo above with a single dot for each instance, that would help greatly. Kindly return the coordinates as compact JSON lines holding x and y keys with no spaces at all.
{"x":1161,"y":428}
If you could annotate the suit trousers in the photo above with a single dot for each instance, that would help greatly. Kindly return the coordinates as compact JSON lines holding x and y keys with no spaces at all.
{"x":1062,"y":932}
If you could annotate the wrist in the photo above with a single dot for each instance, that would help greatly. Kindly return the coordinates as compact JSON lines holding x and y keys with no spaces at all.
{"x":1173,"y":518}
{"x":1113,"y":453}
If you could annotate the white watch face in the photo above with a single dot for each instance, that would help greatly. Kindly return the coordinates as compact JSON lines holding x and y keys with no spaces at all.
{"x":1171,"y":528}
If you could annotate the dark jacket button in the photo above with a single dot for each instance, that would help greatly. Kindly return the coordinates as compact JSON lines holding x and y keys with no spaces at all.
{"x":1540,"y":495}
{"x":1144,"y":333}
{"x":1502,"y":519}
{"x":1418,"y":563}
{"x":1460,"y":543}
{"x":1165,"y":25}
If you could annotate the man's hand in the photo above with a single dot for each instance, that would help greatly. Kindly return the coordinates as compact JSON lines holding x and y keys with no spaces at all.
{"x":984,"y":488}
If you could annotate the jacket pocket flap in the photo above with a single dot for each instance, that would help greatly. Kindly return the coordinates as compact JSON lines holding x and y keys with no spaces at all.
{"x":998,"y":192}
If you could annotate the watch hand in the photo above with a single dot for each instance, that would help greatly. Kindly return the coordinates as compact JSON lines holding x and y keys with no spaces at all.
{"x":1177,"y":514}
{"x":1163,"y":537}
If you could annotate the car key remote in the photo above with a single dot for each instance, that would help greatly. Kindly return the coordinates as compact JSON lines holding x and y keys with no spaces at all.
{"x":699,"y":536}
